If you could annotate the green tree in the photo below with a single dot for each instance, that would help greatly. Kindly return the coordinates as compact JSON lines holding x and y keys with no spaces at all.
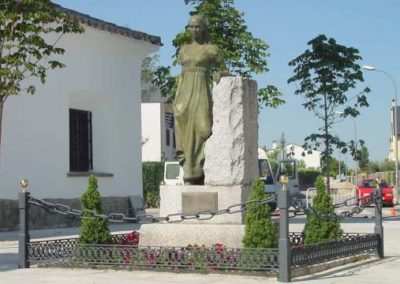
{"x":25,"y":48}
{"x":93,"y":230}
{"x":325,"y":73}
{"x":320,"y":226}
{"x":334,"y":166}
{"x":380,"y":166}
{"x":244,"y":54}
{"x":260,"y":231}
{"x":363,"y":159}
{"x":307,"y":178}
{"x":282,"y":144}
{"x":273,"y":160}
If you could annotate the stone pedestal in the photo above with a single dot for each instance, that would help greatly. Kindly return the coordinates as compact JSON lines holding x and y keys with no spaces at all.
{"x":191,"y":199}
{"x":231,"y":153}
{"x":182,"y":235}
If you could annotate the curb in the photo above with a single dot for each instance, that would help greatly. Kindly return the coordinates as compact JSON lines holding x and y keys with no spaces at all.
{"x":316,"y":268}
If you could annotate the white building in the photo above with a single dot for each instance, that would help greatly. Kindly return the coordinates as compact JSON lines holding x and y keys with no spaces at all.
{"x":158,"y":137}
{"x":84,"y":120}
{"x":293,"y":151}
{"x":393,"y":138}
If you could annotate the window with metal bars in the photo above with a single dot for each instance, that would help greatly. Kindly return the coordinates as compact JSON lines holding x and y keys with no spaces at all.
{"x":80,"y":141}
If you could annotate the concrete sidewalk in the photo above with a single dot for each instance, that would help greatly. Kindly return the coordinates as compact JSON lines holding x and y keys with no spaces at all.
{"x":372,"y":271}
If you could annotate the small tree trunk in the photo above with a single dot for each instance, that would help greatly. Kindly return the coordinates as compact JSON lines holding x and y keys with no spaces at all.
{"x":327,"y":167}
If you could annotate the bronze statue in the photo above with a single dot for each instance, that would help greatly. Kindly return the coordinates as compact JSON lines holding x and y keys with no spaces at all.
{"x":193,"y":104}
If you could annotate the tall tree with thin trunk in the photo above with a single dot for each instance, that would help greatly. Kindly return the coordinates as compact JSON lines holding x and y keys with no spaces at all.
{"x":26,"y":49}
{"x":325,"y":73}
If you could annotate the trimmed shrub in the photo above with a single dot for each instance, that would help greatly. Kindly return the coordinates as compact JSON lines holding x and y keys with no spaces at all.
{"x":307,"y":178}
{"x":321,"y":228}
{"x":93,"y":231}
{"x":260,"y":231}
{"x":153,"y":173}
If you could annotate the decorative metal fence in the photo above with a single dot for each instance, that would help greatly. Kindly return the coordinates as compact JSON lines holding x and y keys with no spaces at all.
{"x":69,"y":253}
{"x":217,"y":258}
{"x":304,"y":255}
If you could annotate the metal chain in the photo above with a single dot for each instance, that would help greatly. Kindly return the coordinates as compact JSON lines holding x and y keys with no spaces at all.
{"x":297,"y":205}
{"x":299,"y":208}
{"x":146,"y":218}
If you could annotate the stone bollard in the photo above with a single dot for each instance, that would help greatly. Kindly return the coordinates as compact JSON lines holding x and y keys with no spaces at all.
{"x":284,"y":243}
{"x":24,"y":238}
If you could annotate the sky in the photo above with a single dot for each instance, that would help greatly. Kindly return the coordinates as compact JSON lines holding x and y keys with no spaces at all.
{"x":371,"y":26}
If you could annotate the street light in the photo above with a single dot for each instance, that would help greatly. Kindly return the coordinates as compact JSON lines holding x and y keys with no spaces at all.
{"x":396,"y":151}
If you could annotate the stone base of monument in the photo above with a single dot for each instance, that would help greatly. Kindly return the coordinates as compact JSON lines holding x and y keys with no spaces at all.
{"x":182,"y":235}
{"x":227,"y":229}
{"x":191,"y":199}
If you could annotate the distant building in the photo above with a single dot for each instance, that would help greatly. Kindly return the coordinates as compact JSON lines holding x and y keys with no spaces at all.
{"x":393,"y":138}
{"x":293,"y":151}
{"x":158,"y":137}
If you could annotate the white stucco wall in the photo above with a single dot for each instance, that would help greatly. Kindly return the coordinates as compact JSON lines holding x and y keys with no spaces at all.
{"x":154,"y":127}
{"x":152,"y":131}
{"x":312,"y":160}
{"x":102,"y":76}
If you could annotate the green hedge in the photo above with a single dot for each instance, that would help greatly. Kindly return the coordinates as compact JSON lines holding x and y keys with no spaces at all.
{"x":307,"y":178}
{"x":153,"y":173}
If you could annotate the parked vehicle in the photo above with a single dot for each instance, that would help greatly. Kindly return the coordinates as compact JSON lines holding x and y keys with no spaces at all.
{"x":286,"y":167}
{"x":367,"y":186}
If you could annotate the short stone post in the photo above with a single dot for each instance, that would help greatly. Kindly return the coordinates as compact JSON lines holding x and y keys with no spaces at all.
{"x":284,"y":243}
{"x":24,"y":238}
{"x":378,"y":229}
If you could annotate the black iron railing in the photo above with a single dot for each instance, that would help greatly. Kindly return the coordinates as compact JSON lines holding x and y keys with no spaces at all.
{"x":217,"y":258}
{"x":68,"y":252}
{"x":304,"y":255}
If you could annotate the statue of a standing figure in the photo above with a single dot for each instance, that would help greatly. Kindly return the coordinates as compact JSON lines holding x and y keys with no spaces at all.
{"x":193,"y":104}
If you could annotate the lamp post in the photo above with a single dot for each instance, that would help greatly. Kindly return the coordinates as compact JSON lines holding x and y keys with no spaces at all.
{"x":396,"y":151}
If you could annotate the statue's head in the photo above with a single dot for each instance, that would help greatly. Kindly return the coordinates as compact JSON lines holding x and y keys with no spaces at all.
{"x":197,"y":26}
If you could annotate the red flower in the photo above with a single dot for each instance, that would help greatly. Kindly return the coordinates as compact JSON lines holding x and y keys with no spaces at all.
{"x":132,"y":238}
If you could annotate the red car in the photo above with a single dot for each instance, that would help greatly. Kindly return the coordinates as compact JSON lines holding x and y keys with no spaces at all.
{"x":367,"y":186}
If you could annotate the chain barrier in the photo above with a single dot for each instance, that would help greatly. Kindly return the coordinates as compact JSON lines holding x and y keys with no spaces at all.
{"x":300,"y":209}
{"x":146,"y":218}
